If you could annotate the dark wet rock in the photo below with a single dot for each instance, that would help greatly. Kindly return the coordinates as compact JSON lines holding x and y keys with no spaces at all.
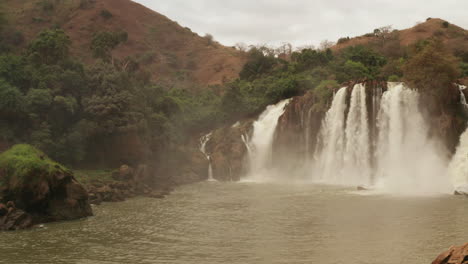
{"x":15,"y":219}
{"x":454,"y":255}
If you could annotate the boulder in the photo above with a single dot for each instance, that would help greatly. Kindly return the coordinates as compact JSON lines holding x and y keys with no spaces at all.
{"x":38,"y":188}
{"x":14,"y":218}
{"x":461,"y":190}
{"x":454,"y":255}
{"x":124,"y":173}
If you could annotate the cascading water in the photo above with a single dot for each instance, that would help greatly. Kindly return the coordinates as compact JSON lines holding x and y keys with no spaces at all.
{"x":260,"y":145}
{"x":458,"y":168}
{"x":462,"y":97}
{"x":307,"y":134}
{"x":401,"y":158}
{"x":407,"y":160}
{"x":203,"y":141}
{"x":357,"y":154}
{"x":331,"y":139}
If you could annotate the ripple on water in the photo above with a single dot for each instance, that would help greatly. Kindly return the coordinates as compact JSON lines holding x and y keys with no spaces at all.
{"x":251,"y":223}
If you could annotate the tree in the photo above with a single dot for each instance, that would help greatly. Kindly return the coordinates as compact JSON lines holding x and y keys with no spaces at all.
{"x":432,"y":69}
{"x":39,"y":100}
{"x":104,"y":42}
{"x":50,"y":47}
{"x":11,"y":99}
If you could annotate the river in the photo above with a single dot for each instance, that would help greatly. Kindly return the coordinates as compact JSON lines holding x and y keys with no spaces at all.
{"x":213,"y":222}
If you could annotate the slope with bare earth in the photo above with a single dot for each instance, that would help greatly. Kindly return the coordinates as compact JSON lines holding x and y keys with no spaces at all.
{"x":454,"y":37}
{"x":164,"y":48}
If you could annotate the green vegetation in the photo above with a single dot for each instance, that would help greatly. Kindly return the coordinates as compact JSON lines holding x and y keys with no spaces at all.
{"x":23,"y":163}
{"x":104,"y":42}
{"x":89,"y":176}
{"x":106,"y":14}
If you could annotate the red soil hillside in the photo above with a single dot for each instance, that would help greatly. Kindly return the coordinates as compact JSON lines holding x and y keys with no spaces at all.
{"x":166,"y":49}
{"x":455,"y":38}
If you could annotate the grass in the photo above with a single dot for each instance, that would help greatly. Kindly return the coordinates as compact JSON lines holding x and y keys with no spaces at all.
{"x":23,"y":163}
{"x":89,"y":176}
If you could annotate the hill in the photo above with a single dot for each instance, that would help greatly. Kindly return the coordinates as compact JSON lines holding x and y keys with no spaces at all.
{"x":167,"y":50}
{"x":454,"y":37}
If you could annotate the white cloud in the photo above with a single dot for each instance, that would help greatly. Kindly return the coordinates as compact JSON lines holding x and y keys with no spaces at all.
{"x":302,"y":22}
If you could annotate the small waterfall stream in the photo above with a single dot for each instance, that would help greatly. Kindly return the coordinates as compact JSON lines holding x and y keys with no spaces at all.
{"x":203,"y":141}
{"x":260,"y":145}
{"x":458,"y":168}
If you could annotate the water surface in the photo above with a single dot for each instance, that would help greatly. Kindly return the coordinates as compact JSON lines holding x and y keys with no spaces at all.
{"x":251,"y":223}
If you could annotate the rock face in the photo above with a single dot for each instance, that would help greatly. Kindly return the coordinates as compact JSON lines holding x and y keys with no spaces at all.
{"x":12,"y":218}
{"x":38,"y":188}
{"x":228,"y":151}
{"x":298,"y":129}
{"x":454,"y":255}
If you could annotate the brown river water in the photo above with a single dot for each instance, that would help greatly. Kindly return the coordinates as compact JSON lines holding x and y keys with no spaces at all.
{"x":243,"y":223}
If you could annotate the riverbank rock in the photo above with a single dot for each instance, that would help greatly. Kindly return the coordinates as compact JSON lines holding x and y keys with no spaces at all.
{"x":454,"y":255}
{"x":12,"y":218}
{"x":228,"y":152}
{"x":40,"y":187}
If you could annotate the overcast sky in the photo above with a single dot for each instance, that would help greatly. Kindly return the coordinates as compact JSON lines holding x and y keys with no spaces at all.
{"x":302,"y":22}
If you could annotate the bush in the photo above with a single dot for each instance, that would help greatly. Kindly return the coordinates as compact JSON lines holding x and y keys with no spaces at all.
{"x":26,"y":163}
{"x":445,"y":24}
{"x":209,"y":39}
{"x":106,"y":14}
{"x":343,"y":40}
{"x":104,"y":42}
{"x":393,"y":78}
{"x":47,"y":5}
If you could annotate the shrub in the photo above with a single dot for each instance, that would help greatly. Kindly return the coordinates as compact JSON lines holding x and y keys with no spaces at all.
{"x":445,"y":24}
{"x":106,"y":14}
{"x":47,"y":5}
{"x":343,"y":40}
{"x":209,"y":38}
{"x":393,"y":78}
{"x":25,"y":163}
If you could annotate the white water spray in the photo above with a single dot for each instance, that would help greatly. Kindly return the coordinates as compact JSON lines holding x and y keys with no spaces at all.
{"x":458,"y":168}
{"x":407,"y":160}
{"x":260,"y":145}
{"x":331,"y":140}
{"x":357,"y":152}
{"x":203,"y":141}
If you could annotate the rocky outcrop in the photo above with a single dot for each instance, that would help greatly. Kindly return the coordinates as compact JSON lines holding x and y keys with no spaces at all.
{"x":454,"y":255}
{"x":12,"y":218}
{"x":39,"y":189}
{"x":297,"y":130}
{"x":127,"y":183}
{"x":228,"y":151}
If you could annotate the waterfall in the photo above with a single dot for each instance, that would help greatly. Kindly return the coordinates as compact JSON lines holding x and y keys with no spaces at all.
{"x":357,"y":152}
{"x":462,"y":96}
{"x":458,"y":168}
{"x":260,"y":146}
{"x":331,"y":141}
{"x":308,"y":123}
{"x":400,"y":158}
{"x":203,"y":141}
{"x":407,"y":160}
